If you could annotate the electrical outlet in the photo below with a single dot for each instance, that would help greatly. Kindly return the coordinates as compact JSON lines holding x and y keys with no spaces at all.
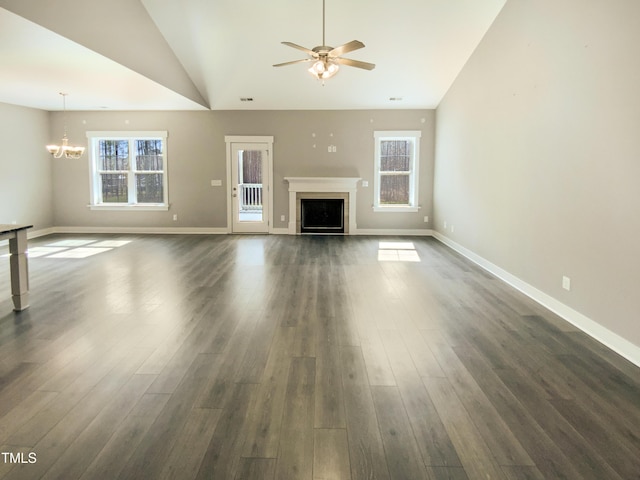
{"x":426,"y":219}
{"x":175,"y":217}
{"x":566,"y":283}
{"x":282,"y":218}
{"x":365,"y":183}
{"x":452,"y":228}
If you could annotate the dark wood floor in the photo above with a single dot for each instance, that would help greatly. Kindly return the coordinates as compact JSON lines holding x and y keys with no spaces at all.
{"x":277,"y":357}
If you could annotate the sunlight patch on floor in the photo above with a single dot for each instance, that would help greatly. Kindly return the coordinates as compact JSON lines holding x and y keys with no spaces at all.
{"x":397,"y":252}
{"x":74,"y":248}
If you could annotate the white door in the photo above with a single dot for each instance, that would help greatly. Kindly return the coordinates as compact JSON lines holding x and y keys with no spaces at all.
{"x":250,"y":167}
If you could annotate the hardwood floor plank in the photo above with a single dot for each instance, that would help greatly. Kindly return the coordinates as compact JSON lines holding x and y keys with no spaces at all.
{"x":127,"y":438}
{"x":295,"y":453}
{"x":619,"y":390}
{"x":265,"y":419}
{"x":502,"y":443}
{"x":329,"y":398}
{"x":22,"y":412}
{"x":91,"y":385}
{"x":256,"y":469}
{"x":255,"y":359}
{"x":544,"y":452}
{"x":516,"y":472}
{"x":222,"y":458}
{"x":366,"y":451}
{"x":402,"y":453}
{"x":148,"y":459}
{"x":622,"y":459}
{"x":432,"y":438}
{"x":624,"y":427}
{"x":447,"y":473}
{"x":219,"y":386}
{"x":585,"y":459}
{"x":331,"y":454}
{"x":87,"y":445}
{"x":474,"y":454}
{"x":619,"y":363}
{"x":191,"y":444}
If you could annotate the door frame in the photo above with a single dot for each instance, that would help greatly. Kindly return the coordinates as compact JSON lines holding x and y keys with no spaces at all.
{"x":265,"y":140}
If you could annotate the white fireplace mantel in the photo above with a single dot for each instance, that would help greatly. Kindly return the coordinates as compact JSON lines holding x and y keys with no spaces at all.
{"x":297,"y":185}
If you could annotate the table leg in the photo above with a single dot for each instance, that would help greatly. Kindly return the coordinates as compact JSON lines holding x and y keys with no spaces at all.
{"x":19,"y":270}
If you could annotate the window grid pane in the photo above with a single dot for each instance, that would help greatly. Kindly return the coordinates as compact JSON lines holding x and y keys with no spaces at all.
{"x":394,"y":189}
{"x":114,"y":187}
{"x":113,"y":155}
{"x":149,"y":155}
{"x":395,"y":155}
{"x":149,"y":188}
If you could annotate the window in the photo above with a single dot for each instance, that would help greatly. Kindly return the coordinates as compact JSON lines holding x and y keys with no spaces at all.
{"x":128,"y":170}
{"x":396,"y":171}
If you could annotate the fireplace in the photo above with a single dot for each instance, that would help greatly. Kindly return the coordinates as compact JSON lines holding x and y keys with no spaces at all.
{"x":322,"y":215}
{"x":323,"y":188}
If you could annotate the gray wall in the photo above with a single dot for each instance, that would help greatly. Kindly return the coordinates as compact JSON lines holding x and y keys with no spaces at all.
{"x":25,"y":167}
{"x":196,"y":153}
{"x":538,"y":154}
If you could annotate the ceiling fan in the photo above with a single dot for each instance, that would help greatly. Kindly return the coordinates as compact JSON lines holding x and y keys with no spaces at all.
{"x":327,"y":60}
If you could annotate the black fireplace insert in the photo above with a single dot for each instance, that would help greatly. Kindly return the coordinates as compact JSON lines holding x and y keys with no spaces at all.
{"x":322,"y":215}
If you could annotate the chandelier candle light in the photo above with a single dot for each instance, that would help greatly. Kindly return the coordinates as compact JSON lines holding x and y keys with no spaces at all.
{"x":69,"y":151}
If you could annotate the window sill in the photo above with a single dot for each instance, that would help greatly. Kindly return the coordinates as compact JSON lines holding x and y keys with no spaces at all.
{"x":130,"y":208}
{"x":396,"y":209}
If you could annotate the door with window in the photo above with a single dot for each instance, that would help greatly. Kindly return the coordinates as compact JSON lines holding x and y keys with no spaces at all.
{"x":250,"y":171}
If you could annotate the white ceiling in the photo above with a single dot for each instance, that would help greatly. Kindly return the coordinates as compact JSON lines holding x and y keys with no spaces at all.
{"x":225,"y":50}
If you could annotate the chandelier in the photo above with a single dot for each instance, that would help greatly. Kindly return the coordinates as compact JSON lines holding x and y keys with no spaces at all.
{"x":69,"y":151}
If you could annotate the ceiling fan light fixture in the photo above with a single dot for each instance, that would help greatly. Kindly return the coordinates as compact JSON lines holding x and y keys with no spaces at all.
{"x":323,"y":69}
{"x":326,"y":59}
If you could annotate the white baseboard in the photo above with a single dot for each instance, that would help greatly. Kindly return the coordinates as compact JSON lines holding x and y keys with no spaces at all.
{"x":605,"y":336}
{"x":399,"y":232}
{"x":40,"y":233}
{"x":371,"y":231}
{"x":144,"y":230}
{"x":211,"y":231}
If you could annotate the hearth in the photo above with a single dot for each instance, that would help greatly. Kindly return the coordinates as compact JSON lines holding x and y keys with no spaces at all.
{"x":323,"y":188}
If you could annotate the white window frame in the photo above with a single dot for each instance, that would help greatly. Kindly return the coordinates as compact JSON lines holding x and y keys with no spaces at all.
{"x":95,"y":202}
{"x":415,"y":136}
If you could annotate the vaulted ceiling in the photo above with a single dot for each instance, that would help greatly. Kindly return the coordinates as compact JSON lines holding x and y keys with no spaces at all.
{"x":208,"y":54}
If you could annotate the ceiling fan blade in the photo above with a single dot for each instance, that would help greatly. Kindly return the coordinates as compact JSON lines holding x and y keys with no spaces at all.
{"x":305,"y":50}
{"x":355,"y":63}
{"x":346,"y":48}
{"x":294,"y":61}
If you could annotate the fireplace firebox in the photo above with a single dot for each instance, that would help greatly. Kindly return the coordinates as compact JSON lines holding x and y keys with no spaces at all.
{"x":322,"y":215}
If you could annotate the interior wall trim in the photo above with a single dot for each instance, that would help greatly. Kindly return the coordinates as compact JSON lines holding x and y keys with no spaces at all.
{"x":592,"y":328}
{"x":209,"y":231}
{"x":149,"y":230}
{"x":395,"y":231}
